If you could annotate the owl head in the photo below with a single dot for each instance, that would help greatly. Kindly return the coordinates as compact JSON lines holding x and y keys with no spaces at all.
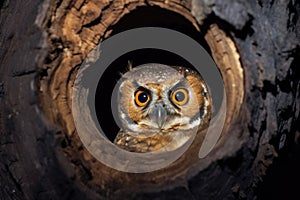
{"x":156,"y":98}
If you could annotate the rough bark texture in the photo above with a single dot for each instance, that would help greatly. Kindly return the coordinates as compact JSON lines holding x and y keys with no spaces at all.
{"x":29,"y":164}
{"x":41,"y":156}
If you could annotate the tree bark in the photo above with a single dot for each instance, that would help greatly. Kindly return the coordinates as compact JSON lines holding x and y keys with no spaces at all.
{"x":41,"y":154}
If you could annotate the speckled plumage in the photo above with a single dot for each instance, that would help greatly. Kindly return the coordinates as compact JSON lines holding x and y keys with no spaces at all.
{"x":164,"y":121}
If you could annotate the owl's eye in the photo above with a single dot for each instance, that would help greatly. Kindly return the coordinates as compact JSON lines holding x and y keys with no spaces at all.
{"x":180,"y":96}
{"x":141,"y":98}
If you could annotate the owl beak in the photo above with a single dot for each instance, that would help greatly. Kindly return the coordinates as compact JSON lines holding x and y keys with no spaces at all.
{"x":159,"y":115}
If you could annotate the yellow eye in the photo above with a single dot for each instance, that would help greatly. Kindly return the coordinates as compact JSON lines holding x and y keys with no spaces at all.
{"x":141,"y":98}
{"x":180,"y":96}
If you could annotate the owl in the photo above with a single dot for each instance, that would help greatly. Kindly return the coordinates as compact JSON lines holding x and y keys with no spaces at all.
{"x":160,"y":107}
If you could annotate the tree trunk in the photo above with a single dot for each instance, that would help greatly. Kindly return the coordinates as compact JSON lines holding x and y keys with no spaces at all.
{"x":255,"y":45}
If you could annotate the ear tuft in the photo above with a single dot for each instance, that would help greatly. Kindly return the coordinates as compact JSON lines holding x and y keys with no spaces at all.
{"x":129,"y":65}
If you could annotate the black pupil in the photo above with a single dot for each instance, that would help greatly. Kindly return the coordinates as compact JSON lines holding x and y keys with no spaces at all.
{"x":143,"y":97}
{"x":179,"y":96}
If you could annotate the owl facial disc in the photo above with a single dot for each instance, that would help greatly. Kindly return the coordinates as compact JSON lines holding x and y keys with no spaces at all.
{"x":159,"y":99}
{"x":161,"y":107}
